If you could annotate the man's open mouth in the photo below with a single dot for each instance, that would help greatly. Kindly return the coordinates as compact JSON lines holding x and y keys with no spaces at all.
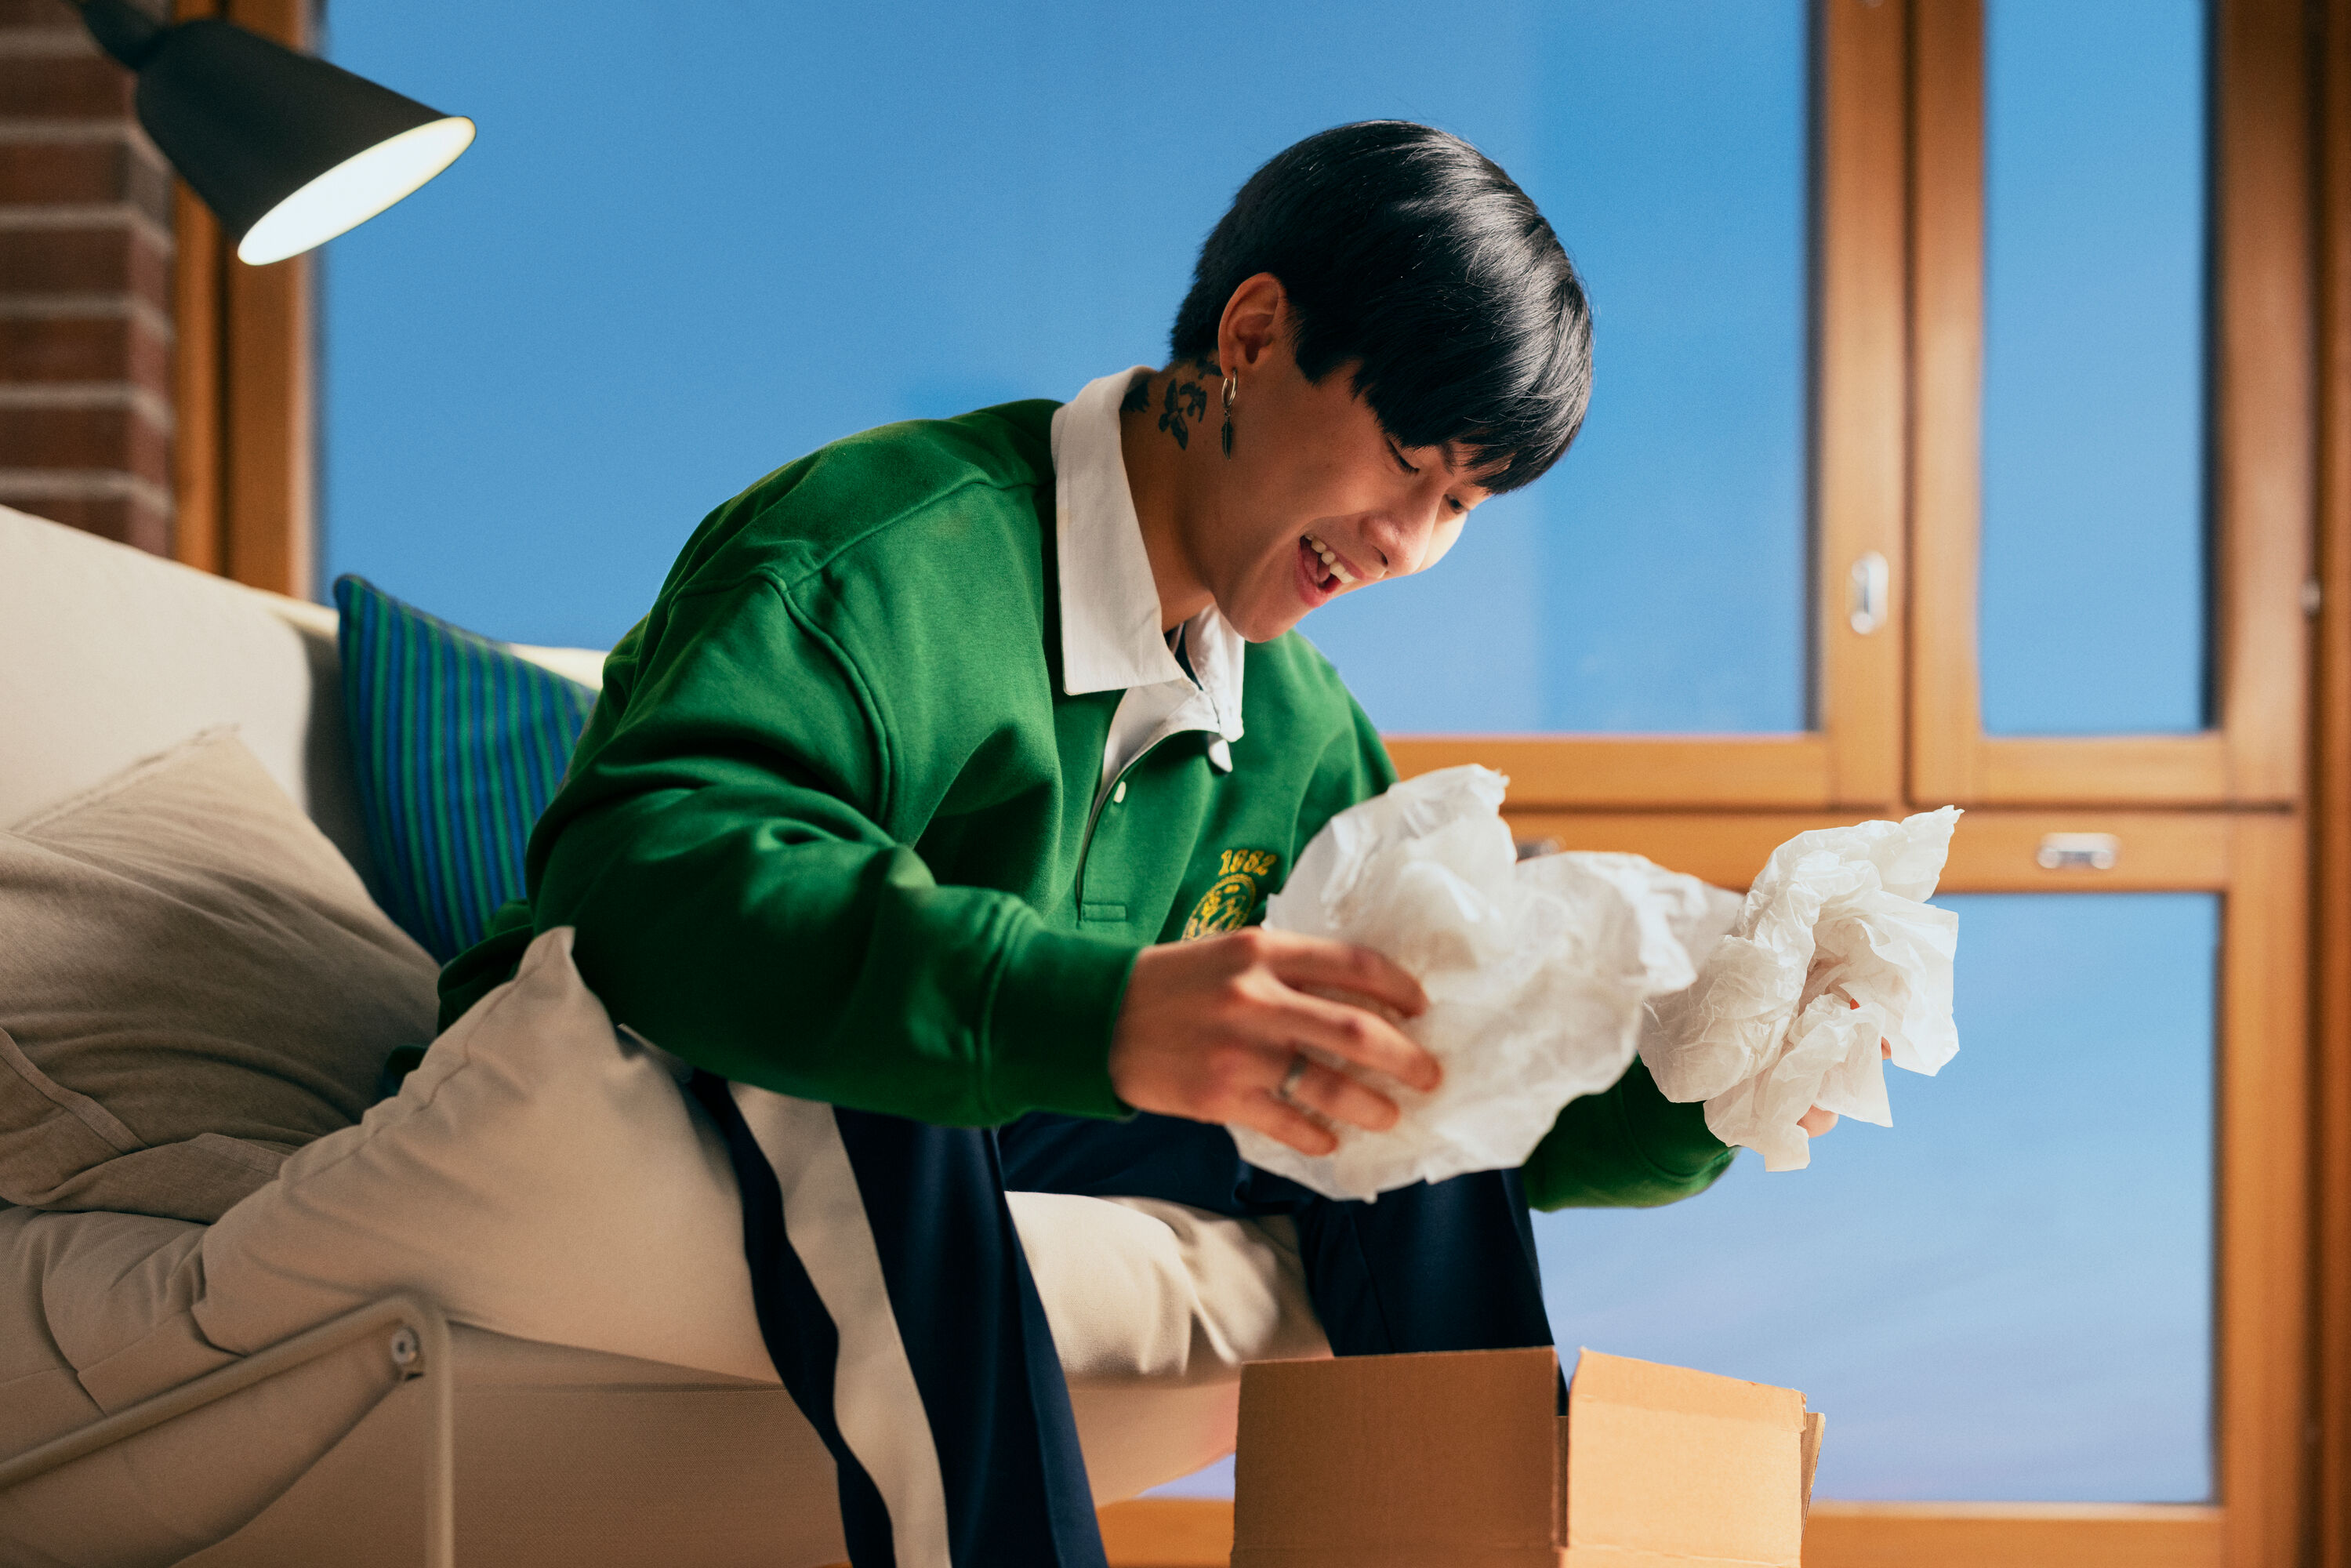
{"x":1323,"y":564}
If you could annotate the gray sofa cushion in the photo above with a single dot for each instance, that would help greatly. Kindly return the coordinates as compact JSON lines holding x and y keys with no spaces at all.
{"x":193,"y":982}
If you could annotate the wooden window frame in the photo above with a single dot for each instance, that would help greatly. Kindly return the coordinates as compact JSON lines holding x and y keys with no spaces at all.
{"x":1853,"y":757}
{"x":2261,"y":443}
{"x":2331,"y":805}
{"x":2256,"y":862}
{"x":2217,"y":812}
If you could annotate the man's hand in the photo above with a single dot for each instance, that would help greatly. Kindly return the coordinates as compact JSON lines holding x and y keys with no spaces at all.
{"x":1817,"y":1121}
{"x":1208,"y":1030}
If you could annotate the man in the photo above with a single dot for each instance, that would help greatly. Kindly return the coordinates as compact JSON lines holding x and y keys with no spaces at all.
{"x":935,"y":799}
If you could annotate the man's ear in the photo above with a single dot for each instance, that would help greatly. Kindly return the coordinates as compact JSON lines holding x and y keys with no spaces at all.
{"x":1255,"y":323}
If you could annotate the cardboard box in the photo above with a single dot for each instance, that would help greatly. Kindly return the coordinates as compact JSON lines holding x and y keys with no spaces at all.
{"x":1462,"y":1460}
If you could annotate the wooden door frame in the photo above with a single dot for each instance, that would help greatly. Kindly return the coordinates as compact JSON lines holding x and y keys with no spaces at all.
{"x":2261,"y":448}
{"x":244,"y":465}
{"x":1859,"y":336}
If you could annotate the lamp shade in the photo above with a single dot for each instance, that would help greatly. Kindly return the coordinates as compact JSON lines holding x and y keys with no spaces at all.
{"x":287,"y":150}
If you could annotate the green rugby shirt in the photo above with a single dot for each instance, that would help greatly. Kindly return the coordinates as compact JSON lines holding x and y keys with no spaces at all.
{"x":885,"y":793}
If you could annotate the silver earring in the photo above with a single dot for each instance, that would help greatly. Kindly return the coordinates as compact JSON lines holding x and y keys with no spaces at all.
{"x":1228,"y":416}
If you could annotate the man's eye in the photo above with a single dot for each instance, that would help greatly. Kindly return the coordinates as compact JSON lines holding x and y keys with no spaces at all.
{"x":1397,"y":453}
{"x":1458,"y":509}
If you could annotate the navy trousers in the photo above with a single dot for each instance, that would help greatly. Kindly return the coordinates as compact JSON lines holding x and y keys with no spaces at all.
{"x":896,"y":1302}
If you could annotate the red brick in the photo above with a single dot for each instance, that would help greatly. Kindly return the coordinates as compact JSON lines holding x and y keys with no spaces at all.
{"x":88,"y":349}
{"x":121,"y":170}
{"x":110,"y":440}
{"x":43,"y":172}
{"x":126,"y":520}
{"x":67,"y":351}
{"x":66,"y":261}
{"x":108,"y":259}
{"x":70,"y":86}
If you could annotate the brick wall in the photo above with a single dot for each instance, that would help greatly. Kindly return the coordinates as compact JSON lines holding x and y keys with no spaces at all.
{"x":86,"y":389}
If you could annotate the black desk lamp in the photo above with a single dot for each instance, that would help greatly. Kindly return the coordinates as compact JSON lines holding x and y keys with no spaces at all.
{"x":287,"y":150}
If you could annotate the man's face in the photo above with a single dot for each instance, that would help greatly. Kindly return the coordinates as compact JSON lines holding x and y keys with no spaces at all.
{"x":1318,"y":500}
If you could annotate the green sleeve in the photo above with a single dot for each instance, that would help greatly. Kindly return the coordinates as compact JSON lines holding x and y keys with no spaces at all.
{"x":1628,"y":1147}
{"x":716,"y":849}
{"x":1354,"y":768}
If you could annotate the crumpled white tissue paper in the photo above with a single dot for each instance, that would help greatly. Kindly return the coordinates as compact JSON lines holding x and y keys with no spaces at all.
{"x":1544,"y":975}
{"x":1835,"y":949}
{"x":1537,"y":972}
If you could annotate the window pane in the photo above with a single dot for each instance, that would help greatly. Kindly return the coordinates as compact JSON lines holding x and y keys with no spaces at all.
{"x":695,"y":242}
{"x":659,"y":274}
{"x":2007,"y":1294}
{"x":2094,"y":606}
{"x":1655,"y":581}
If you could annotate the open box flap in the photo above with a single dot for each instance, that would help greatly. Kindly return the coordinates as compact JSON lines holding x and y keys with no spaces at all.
{"x":1666,"y":1465}
{"x":1816,"y":1426}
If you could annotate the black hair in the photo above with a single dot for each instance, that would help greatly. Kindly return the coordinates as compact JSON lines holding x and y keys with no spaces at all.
{"x":1411,"y":255}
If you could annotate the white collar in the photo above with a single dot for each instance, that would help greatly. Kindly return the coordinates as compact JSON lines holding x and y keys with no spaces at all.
{"x":1110,"y":639}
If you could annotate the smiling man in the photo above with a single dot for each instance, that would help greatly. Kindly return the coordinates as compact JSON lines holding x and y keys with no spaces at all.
{"x":930,"y":810}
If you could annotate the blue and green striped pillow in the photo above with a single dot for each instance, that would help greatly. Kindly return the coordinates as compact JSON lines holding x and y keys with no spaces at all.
{"x":458,"y":745}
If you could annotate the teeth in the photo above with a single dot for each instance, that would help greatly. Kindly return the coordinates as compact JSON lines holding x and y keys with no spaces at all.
{"x":1331,"y":559}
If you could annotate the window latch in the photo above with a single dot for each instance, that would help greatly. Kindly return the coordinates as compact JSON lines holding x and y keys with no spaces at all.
{"x":1866,"y":601}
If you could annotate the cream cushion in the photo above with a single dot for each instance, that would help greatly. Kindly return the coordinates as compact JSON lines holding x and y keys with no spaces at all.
{"x":193,"y":983}
{"x":537,"y":1175}
{"x":109,"y":655}
{"x":541,"y":1174}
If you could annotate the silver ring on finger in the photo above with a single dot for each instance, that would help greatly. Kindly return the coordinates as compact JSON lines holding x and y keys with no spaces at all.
{"x":1288,"y":1093}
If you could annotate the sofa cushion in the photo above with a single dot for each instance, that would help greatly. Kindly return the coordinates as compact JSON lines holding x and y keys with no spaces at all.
{"x":193,"y":982}
{"x":109,"y":654}
{"x":457,"y":743}
{"x":543,"y":1176}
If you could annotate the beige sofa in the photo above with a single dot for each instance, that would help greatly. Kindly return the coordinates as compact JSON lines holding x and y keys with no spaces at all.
{"x":389,"y":1435}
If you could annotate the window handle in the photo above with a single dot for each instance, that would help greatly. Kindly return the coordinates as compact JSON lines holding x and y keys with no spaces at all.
{"x":1866,"y":601}
{"x":2077,"y":852}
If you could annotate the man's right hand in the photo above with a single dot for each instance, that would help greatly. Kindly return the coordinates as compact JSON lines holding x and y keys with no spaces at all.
{"x":1210,"y":1029}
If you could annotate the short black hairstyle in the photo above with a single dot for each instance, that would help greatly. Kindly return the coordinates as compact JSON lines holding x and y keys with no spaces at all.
{"x":1411,"y":255}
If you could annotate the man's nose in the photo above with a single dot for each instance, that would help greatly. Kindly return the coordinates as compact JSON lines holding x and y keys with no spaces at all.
{"x":1397,"y":545}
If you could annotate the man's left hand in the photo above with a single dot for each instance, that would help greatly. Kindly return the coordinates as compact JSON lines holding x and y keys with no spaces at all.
{"x":1817,"y":1121}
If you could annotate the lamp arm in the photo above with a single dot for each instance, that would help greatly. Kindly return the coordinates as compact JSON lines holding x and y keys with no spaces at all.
{"x":123,"y":29}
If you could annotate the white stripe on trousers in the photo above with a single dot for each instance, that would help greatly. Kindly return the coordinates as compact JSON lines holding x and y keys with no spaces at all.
{"x":875,"y":1400}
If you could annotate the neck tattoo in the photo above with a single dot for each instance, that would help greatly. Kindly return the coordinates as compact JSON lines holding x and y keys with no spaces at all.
{"x":1184,"y":400}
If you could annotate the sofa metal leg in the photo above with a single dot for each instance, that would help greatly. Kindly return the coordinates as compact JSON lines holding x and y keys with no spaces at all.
{"x":416,"y":1337}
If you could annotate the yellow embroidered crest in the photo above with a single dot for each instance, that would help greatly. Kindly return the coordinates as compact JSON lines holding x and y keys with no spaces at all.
{"x":1226,"y":905}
